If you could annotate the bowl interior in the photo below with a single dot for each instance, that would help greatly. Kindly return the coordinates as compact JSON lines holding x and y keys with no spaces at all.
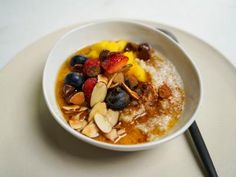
{"x":116,"y":30}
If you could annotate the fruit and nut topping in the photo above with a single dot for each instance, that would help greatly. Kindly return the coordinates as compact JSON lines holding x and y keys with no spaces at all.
{"x":111,"y":91}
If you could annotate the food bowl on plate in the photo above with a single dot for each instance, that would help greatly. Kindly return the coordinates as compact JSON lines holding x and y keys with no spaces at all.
{"x":121,"y":85}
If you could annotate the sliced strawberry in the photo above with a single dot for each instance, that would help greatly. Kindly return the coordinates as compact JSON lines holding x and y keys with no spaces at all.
{"x":88,"y":88}
{"x":114,"y":62}
{"x":91,"y":67}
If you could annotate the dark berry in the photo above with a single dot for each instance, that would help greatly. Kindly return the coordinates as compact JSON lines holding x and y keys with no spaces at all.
{"x":144,"y":46}
{"x":77,"y":59}
{"x":117,"y":98}
{"x":130,"y":47}
{"x":74,"y":79}
{"x":104,"y":55}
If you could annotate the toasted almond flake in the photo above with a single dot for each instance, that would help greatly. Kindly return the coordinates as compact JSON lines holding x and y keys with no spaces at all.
{"x":126,"y":68}
{"x":114,"y":85}
{"x":77,"y":124}
{"x":112,"y":116}
{"x":81,"y":115}
{"x":90,"y":130}
{"x":131,"y":92}
{"x":82,"y":109}
{"x":98,"y":94}
{"x":83,"y":123}
{"x":102,"y":122}
{"x":71,"y":108}
{"x":77,"y":98}
{"x":121,"y":132}
{"x":119,"y":78}
{"x":112,"y":135}
{"x":111,"y":80}
{"x":100,"y":108}
{"x":102,"y":78}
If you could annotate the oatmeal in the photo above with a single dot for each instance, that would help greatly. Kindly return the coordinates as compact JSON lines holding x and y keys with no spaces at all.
{"x":120,"y":92}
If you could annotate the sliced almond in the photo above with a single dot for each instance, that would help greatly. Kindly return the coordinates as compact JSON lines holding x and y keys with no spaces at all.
{"x":77,"y":98}
{"x":131,"y":92}
{"x":77,"y":124}
{"x":83,"y":108}
{"x":121,"y":132}
{"x":112,"y":116}
{"x":90,"y":130}
{"x":111,"y":80}
{"x":126,"y":68}
{"x":71,"y":108}
{"x":112,"y":135}
{"x":114,"y":85}
{"x":102,"y":122}
{"x":119,"y":78}
{"x":102,"y":78}
{"x":100,"y":108}
{"x":83,"y":123}
{"x":81,"y":115}
{"x":98,"y":94}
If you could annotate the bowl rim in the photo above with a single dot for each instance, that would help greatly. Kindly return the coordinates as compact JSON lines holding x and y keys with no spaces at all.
{"x":118,"y":147}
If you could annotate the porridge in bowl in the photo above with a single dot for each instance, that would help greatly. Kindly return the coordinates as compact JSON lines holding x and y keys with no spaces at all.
{"x":120,"y":92}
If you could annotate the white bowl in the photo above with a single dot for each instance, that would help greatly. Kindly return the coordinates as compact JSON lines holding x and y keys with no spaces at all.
{"x":131,"y":31}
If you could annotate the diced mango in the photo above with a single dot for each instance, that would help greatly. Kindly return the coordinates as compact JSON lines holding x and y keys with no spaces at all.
{"x":113,"y":46}
{"x":136,"y":70}
{"x":131,"y":56}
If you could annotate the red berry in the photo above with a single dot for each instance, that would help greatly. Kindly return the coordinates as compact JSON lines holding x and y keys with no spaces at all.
{"x":88,"y":88}
{"x":114,"y":62}
{"x":91,"y":67}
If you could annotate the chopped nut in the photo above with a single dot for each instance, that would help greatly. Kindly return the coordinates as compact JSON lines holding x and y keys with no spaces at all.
{"x":100,"y":108}
{"x":67,"y":91}
{"x":102,"y":122}
{"x":112,"y":135}
{"x":102,"y":78}
{"x":112,"y":117}
{"x":164,"y":91}
{"x":131,"y":92}
{"x":90,"y":130}
{"x":98,"y":94}
{"x":77,"y":98}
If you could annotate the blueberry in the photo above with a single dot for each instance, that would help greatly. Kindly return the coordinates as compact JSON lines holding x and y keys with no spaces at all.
{"x":77,"y":59}
{"x":74,"y":79}
{"x":117,"y":98}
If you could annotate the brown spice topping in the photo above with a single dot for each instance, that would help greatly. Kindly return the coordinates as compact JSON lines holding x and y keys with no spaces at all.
{"x":164,"y":91}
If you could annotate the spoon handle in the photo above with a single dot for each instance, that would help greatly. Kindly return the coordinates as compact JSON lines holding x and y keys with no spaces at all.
{"x":196,"y":134}
{"x":202,"y":150}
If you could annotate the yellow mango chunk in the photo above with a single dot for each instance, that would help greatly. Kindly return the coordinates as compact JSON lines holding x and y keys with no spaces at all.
{"x":136,"y":70}
{"x":113,"y":46}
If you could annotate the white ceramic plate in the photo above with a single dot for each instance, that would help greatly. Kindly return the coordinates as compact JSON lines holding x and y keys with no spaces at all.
{"x":130,"y":31}
{"x":33,"y":144}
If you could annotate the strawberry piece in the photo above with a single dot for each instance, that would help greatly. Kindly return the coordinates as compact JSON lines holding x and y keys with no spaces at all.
{"x":88,"y":88}
{"x":91,"y":67}
{"x":114,"y":62}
